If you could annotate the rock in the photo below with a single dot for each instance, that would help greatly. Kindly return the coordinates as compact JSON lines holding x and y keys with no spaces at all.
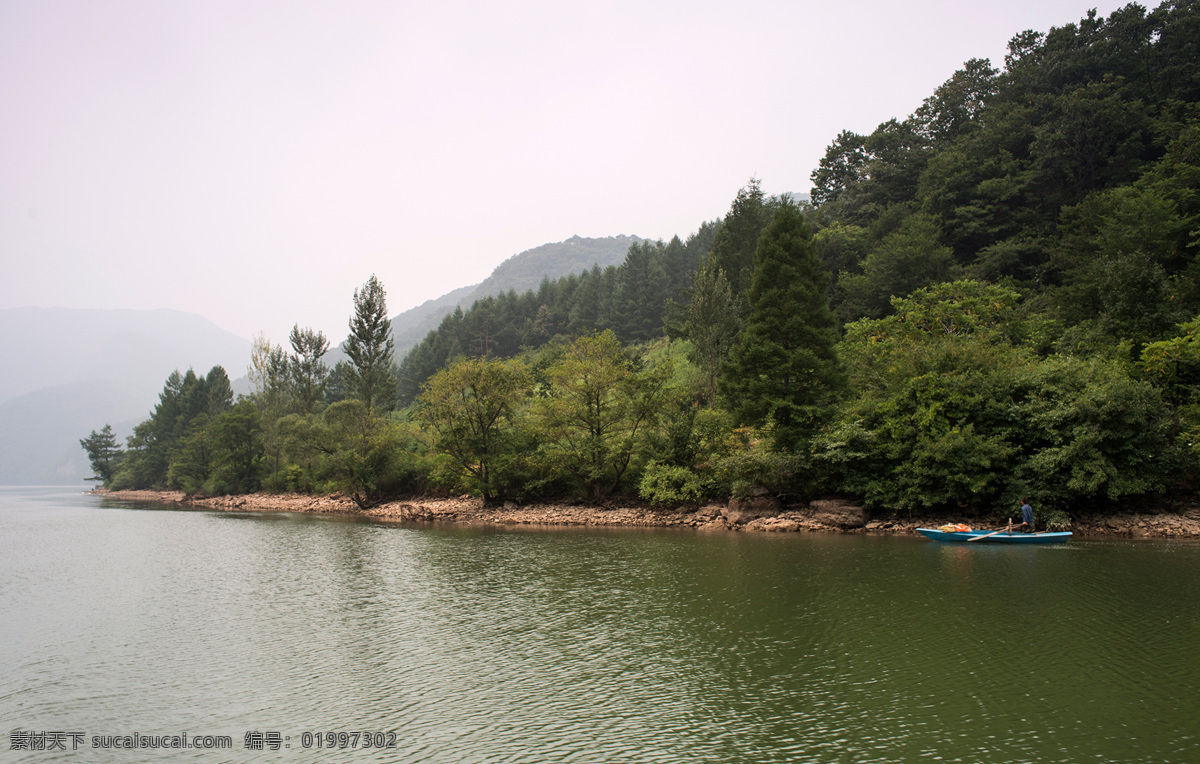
{"x":708,"y":511}
{"x":741,"y":511}
{"x":510,"y":506}
{"x":837,"y":513}
{"x":773,"y":525}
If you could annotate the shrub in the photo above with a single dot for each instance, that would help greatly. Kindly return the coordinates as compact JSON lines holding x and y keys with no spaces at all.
{"x":671,"y":484}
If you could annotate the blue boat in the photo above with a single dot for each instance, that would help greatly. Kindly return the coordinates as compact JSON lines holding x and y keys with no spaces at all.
{"x":997,"y":537}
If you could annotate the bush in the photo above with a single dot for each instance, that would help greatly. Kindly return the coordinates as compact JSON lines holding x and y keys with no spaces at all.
{"x":749,"y":461}
{"x":671,"y":484}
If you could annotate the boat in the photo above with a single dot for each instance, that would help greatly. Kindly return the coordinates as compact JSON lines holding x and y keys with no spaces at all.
{"x":997,"y":537}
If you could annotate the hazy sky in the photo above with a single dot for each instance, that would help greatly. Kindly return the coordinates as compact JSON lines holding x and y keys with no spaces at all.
{"x":255,"y":162}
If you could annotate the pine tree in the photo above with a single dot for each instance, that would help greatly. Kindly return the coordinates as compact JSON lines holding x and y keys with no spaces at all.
{"x":784,"y":371}
{"x":711,"y":321}
{"x":733,"y":246}
{"x":104,"y":454}
{"x":642,"y":291}
{"x":308,"y":371}
{"x":219,"y":391}
{"x":370,"y":347}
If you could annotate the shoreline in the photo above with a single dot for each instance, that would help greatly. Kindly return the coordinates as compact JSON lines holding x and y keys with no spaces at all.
{"x":825,"y":516}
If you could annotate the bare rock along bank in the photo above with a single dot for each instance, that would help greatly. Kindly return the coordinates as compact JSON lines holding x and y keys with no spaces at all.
{"x":824,"y":516}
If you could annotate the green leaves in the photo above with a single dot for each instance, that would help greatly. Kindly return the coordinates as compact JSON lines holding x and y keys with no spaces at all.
{"x":1092,"y":432}
{"x":711,"y":322}
{"x":954,"y":412}
{"x":308,"y":371}
{"x":595,"y":410}
{"x":906,"y":260}
{"x":784,"y":370}
{"x":103,"y":453}
{"x":473,"y":408}
{"x":370,"y":346}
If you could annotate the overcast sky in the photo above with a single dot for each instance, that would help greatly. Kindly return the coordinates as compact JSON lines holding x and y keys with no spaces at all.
{"x":255,"y":162}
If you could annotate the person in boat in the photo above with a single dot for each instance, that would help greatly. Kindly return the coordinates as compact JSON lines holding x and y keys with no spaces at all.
{"x":1026,"y":517}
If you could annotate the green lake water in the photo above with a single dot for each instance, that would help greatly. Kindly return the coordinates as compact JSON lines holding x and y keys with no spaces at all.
{"x":473,"y":645}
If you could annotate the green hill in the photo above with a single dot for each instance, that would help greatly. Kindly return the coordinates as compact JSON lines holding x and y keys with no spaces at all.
{"x":520,"y":273}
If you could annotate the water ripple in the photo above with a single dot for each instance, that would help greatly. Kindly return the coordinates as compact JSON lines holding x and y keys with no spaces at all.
{"x":582,"y":647}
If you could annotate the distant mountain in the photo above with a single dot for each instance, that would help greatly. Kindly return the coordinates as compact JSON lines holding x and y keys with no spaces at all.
{"x":40,"y":431}
{"x":66,"y":372}
{"x":520,"y":272}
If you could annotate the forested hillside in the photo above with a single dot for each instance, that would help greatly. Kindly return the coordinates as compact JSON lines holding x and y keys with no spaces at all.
{"x":631,"y":299}
{"x":996,"y":296}
{"x":519,"y":273}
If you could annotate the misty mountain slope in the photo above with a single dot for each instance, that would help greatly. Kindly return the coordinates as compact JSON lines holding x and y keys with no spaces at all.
{"x":409,"y":327}
{"x":42,"y":347}
{"x":40,"y":431}
{"x":521,"y":272}
{"x":65,"y":372}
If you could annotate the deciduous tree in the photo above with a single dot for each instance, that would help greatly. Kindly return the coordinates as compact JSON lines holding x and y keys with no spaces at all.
{"x":472,"y":408}
{"x":595,"y":411}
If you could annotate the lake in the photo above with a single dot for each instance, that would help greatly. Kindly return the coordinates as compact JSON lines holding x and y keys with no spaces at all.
{"x":131,"y":626}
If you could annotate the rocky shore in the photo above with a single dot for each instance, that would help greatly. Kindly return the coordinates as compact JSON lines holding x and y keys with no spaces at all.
{"x":762,"y":514}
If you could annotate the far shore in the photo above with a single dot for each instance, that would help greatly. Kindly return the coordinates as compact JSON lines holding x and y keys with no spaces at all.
{"x":827,"y":516}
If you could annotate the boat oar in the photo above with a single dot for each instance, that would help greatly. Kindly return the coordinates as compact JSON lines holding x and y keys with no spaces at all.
{"x":988,"y":535}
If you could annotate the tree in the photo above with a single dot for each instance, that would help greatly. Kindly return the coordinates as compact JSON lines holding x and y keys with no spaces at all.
{"x":194,"y":457}
{"x":840,"y":168}
{"x":784,"y":370}
{"x":1089,"y":139}
{"x":677,"y":260}
{"x":711,"y":322}
{"x":151,"y":446}
{"x":596,"y":409}
{"x":863,"y":177}
{"x":1092,"y":432}
{"x":103,"y":453}
{"x":1121,"y":254}
{"x":472,"y":408}
{"x":841,"y":248}
{"x":932,"y":423}
{"x":954,"y":411}
{"x":1173,"y":366}
{"x":360,"y":450}
{"x":268,"y":373}
{"x":958,"y":102}
{"x":218,"y":392}
{"x":256,"y":372}
{"x":308,"y":372}
{"x":642,"y":292}
{"x":370,"y":347}
{"x":733,"y":247}
{"x":905,"y":260}
{"x":238,"y":449}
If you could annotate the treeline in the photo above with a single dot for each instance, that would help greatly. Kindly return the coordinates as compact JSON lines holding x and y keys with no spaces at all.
{"x":630,"y":300}
{"x":304,"y":427}
{"x":1070,"y":175}
{"x":996,"y":296}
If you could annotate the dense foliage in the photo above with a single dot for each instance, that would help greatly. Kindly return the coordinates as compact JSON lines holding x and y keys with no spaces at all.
{"x":997,"y":296}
